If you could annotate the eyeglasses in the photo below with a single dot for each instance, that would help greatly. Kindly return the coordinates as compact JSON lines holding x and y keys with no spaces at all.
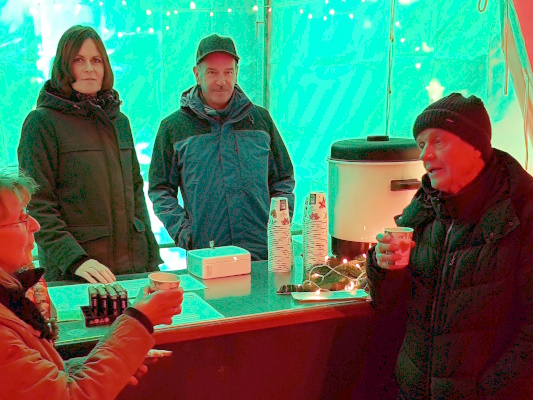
{"x":25,"y":221}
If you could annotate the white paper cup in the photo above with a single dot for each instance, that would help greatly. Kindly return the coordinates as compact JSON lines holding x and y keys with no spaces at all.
{"x":403,"y":238}
{"x":279,"y":211}
{"x":163,"y":281}
{"x":317,"y":202}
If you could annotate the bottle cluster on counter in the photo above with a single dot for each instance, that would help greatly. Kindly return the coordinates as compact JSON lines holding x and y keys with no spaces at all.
{"x":106,"y":303}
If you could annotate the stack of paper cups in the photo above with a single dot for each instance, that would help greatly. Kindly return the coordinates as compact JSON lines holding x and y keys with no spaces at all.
{"x":315,"y":230}
{"x":279,"y":236}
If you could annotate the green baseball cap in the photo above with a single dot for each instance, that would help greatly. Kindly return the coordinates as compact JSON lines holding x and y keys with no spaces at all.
{"x":216,"y":44}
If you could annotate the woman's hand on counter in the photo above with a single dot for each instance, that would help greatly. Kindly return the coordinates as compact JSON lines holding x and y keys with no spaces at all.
{"x":160,"y":306}
{"x":95,"y":272}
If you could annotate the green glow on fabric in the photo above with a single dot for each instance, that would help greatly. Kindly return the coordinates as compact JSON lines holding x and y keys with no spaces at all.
{"x":328,"y":65}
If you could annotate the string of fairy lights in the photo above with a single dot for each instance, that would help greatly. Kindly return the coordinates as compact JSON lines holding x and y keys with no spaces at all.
{"x":163,"y":18}
{"x":325,"y":10}
{"x":302,"y":7}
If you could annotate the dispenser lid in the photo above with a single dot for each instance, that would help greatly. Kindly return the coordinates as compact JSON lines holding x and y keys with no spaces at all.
{"x":218,"y":252}
{"x":375,"y":148}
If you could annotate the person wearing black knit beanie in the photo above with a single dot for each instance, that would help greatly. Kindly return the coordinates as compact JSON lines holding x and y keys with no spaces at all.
{"x":467,"y":289}
{"x":454,"y":134}
{"x":466,"y":118}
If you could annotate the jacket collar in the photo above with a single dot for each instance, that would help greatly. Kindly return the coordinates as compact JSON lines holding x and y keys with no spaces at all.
{"x":14,"y":299}
{"x":494,"y":213}
{"x":107,"y":102}
{"x":9,"y":318}
{"x":472,"y":200}
{"x":29,"y":277}
{"x":239,"y":107}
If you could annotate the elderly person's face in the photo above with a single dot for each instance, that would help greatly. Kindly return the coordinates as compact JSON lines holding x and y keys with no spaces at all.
{"x":88,"y":69}
{"x":217,"y":75}
{"x":451,"y":163}
{"x":16,"y":230}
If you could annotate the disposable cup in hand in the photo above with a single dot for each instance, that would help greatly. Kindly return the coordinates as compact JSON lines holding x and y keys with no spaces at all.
{"x":402,"y":237}
{"x":163,"y":281}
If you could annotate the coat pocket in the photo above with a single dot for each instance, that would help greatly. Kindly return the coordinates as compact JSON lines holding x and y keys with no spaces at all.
{"x":76,"y":147}
{"x":139,"y":225}
{"x":87,"y":233}
{"x":95,"y":241}
{"x":81,"y":174}
{"x":140,"y":246}
{"x":253,"y":150}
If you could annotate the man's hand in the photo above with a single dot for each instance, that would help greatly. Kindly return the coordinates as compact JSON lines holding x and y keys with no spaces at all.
{"x":385,"y":251}
{"x":94,"y":272}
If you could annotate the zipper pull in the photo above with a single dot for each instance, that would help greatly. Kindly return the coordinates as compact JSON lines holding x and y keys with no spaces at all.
{"x":452,"y":261}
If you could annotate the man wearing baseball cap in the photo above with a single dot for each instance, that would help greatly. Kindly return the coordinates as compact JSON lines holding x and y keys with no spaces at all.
{"x":226,"y":157}
{"x":468,"y":288}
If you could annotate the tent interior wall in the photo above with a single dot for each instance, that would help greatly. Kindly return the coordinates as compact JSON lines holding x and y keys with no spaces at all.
{"x":322,"y":68}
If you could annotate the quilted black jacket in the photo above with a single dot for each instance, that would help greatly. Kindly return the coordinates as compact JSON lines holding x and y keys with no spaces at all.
{"x":469,"y":329}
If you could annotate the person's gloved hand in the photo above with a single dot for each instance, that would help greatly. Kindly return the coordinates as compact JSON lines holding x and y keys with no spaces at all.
{"x":95,"y":272}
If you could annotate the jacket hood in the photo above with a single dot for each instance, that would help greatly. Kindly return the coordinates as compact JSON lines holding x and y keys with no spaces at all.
{"x":466,"y":205}
{"x":108,"y":101}
{"x":240,"y":105}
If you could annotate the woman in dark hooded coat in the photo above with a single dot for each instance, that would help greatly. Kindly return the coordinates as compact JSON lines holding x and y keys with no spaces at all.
{"x":79,"y":148}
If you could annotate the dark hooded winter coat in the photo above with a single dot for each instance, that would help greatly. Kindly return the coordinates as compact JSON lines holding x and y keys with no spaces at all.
{"x":90,"y":202}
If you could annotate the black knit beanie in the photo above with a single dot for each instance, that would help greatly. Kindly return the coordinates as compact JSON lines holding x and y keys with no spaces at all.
{"x":466,"y":118}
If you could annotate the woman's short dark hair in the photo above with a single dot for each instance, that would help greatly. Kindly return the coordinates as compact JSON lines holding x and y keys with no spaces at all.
{"x":67,"y":49}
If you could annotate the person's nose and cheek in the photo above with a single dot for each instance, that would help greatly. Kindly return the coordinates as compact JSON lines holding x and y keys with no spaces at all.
{"x":221,"y":80}
{"x":33,"y":225}
{"x":426,"y":153}
{"x":88,"y":66}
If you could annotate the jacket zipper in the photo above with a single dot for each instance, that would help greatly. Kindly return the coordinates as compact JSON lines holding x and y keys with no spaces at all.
{"x":434,"y":307}
{"x":115,"y":134}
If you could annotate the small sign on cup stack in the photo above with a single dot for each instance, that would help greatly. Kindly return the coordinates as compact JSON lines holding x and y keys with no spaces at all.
{"x":315,"y":230}
{"x":279,"y":236}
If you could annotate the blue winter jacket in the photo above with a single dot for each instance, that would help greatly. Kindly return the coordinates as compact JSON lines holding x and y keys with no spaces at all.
{"x":227,"y":170}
